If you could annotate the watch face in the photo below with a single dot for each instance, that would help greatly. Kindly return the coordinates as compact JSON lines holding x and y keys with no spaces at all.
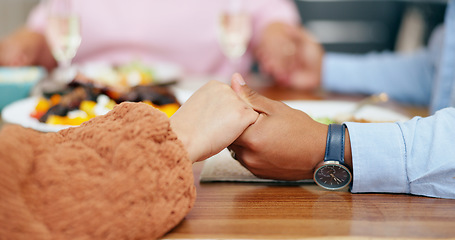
{"x":332,"y":176}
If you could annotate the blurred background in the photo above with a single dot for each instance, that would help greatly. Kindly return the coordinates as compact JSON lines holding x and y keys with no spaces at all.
{"x":371,"y":25}
{"x":351,"y":26}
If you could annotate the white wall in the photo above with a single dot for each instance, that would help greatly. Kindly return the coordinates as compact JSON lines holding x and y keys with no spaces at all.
{"x":13,"y":14}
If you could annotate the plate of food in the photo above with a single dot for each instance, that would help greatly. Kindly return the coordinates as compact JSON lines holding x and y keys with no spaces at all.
{"x":328,"y":111}
{"x":223,"y":168}
{"x":132,"y":74}
{"x":88,"y":96}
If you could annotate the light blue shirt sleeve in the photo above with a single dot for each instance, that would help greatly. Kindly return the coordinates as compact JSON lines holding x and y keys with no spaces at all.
{"x":414,"y":157}
{"x":406,"y":78}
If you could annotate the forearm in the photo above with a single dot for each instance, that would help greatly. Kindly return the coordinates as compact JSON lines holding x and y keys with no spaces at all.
{"x":406,"y":78}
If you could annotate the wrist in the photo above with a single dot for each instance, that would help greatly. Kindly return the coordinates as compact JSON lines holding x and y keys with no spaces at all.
{"x":334,"y":173}
{"x":183,"y":136}
{"x":319,"y":149}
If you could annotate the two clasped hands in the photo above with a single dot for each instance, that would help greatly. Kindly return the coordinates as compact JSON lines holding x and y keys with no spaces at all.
{"x":269,"y":138}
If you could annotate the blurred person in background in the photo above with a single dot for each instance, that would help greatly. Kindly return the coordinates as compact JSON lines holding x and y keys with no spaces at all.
{"x":425,"y":77}
{"x":180,"y":32}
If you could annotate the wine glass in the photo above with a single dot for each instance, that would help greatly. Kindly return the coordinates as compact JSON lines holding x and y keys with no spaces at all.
{"x":63,"y":36}
{"x":234,"y":31}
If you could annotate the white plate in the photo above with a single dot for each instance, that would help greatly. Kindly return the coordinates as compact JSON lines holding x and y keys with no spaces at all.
{"x":19,"y":113}
{"x":319,"y":109}
{"x":165,"y":72}
{"x":222,"y":168}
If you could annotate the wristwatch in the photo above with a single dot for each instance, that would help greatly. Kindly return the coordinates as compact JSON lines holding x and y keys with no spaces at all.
{"x":333,"y":173}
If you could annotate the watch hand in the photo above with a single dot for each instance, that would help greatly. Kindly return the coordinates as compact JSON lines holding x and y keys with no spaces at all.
{"x":336,"y":178}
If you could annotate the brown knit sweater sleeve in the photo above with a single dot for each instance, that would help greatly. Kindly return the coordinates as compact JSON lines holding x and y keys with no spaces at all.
{"x":124,"y":175}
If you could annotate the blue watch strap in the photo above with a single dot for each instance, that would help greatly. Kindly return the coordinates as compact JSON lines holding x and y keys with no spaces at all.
{"x":334,"y":149}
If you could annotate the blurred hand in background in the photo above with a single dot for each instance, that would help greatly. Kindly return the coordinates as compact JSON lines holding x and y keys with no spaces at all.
{"x":291,"y":55}
{"x":25,"y":47}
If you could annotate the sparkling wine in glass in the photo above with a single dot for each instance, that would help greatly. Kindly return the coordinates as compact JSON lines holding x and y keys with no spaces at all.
{"x":234,"y":31}
{"x":63,"y":36}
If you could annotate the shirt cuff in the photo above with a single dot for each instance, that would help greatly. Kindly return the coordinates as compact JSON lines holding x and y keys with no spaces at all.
{"x":378,"y":158}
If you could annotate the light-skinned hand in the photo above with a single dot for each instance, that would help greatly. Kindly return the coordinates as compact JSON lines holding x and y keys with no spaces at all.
{"x":211,"y":119}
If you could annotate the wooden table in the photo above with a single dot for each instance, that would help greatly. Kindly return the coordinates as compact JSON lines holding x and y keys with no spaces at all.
{"x":268,"y":211}
{"x":271,"y":211}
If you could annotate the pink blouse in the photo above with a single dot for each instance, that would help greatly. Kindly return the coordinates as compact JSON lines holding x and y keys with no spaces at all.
{"x":172,"y":31}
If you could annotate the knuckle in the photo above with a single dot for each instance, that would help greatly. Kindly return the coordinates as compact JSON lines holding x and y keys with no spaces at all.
{"x":255,"y":142}
{"x":252,"y":163}
{"x":214,"y":83}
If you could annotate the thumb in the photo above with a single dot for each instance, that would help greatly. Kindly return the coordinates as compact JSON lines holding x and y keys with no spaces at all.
{"x":258,"y":102}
